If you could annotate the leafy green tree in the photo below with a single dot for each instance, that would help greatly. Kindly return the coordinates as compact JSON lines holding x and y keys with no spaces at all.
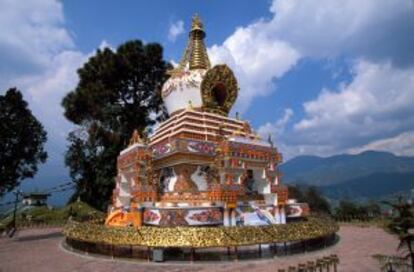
{"x":316,"y":201}
{"x":373,"y":209}
{"x":347,"y":209}
{"x":402,"y":224}
{"x":296,"y":193}
{"x":312,"y":196}
{"x":118,"y":91}
{"x":22,"y":139}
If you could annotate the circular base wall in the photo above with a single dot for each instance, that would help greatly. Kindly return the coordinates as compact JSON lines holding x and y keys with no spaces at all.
{"x":202,"y":243}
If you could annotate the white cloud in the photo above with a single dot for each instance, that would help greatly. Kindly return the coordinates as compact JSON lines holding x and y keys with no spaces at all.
{"x":373,"y":109}
{"x":256,"y":60}
{"x":277,"y":128}
{"x":45,"y":92}
{"x":377,"y":103}
{"x":402,"y":144}
{"x":267,"y":49}
{"x":31,"y":33}
{"x":38,"y":57}
{"x":175,"y":30}
{"x":374,"y":29}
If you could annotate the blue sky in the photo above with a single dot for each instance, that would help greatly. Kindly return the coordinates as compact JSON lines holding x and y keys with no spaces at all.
{"x":323,"y":77}
{"x":150,"y":20}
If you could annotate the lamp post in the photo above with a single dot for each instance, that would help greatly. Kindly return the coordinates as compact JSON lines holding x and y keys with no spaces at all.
{"x":17,"y":193}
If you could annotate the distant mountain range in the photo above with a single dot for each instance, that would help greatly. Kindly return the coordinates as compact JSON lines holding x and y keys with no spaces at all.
{"x":370,"y":174}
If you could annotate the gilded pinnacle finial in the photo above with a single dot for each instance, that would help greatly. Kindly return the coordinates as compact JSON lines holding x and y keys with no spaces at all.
{"x":196,"y":23}
{"x":195,"y":54}
{"x":198,"y":54}
{"x":135,"y":138}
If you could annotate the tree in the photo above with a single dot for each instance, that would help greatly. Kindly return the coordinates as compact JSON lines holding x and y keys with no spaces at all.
{"x":373,"y":209}
{"x":402,"y":224}
{"x":312,"y":196}
{"x":22,"y":139}
{"x":296,"y":193}
{"x":316,"y":201}
{"x":347,"y":209}
{"x":118,"y":91}
{"x":388,"y":263}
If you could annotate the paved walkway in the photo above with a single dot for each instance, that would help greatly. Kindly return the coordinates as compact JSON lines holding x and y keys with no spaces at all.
{"x":40,"y":250}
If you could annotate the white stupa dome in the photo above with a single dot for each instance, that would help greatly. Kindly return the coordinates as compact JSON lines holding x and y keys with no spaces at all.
{"x":194,"y":83}
{"x":183,"y":89}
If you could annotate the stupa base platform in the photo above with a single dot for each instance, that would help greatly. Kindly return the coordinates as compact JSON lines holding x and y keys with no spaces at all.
{"x":201,"y":243}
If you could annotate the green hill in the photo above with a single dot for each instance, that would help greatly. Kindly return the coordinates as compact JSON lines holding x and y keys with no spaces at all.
{"x":368,"y":175}
{"x":374,"y":186}
{"x":320,"y":171}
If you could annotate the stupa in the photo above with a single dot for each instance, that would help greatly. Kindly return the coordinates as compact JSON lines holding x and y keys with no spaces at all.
{"x":200,"y":167}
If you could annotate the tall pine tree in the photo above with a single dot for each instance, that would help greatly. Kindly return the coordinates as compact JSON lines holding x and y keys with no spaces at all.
{"x":118,"y":91}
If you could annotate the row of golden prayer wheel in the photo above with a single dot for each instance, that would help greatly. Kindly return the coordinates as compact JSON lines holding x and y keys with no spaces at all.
{"x":324,"y":264}
{"x":196,"y":237}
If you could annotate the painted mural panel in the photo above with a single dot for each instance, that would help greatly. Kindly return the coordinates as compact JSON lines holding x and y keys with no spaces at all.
{"x":151,"y":217}
{"x":297,"y":210}
{"x":205,"y":217}
{"x":254,"y":216}
{"x":183,"y":217}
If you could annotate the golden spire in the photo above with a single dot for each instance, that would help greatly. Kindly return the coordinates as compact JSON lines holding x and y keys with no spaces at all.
{"x":198,"y":56}
{"x":195,"y":54}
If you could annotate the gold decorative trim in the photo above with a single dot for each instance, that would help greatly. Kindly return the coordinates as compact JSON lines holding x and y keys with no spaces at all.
{"x":219,"y":75}
{"x":135,"y":138}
